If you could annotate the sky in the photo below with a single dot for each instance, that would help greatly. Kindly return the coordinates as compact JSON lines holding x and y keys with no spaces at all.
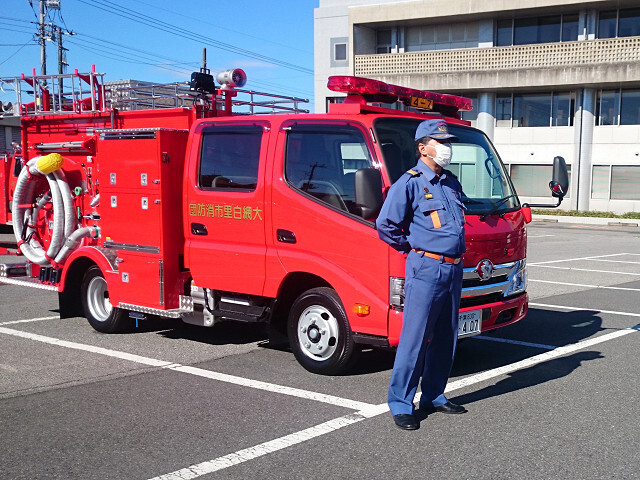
{"x":161,"y":41}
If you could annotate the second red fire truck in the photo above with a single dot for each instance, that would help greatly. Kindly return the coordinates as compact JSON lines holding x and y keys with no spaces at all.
{"x":188,"y":208}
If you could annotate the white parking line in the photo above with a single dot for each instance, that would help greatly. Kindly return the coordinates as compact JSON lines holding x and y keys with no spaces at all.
{"x":575,"y":309}
{"x":539,"y":236}
{"x":153,"y":362}
{"x":612,"y":261}
{"x":585,"y":285}
{"x":515,"y":342}
{"x":583,"y":269}
{"x":581,"y":258}
{"x":29,"y":320}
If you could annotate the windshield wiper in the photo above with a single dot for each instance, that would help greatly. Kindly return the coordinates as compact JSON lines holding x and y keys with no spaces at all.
{"x":496,"y":207}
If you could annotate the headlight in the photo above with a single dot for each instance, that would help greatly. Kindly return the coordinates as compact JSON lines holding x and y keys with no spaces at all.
{"x":518,"y":279}
{"x":396,"y":292}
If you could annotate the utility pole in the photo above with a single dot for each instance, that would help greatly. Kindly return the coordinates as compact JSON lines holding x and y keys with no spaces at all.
{"x":61,"y":61}
{"x":43,"y":41}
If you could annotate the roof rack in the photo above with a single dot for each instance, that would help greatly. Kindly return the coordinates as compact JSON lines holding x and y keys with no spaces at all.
{"x":87,"y":93}
{"x":55,"y":94}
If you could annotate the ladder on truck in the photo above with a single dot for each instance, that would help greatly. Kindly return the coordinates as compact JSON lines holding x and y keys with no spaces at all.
{"x":83,"y":93}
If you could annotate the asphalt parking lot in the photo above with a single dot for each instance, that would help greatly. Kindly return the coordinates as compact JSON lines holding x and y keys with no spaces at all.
{"x":554,"y":396}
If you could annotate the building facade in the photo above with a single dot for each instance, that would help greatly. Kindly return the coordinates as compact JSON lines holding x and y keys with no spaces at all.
{"x":547,"y":78}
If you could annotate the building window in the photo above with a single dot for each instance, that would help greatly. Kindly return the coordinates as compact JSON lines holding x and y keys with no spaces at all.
{"x":504,"y":32}
{"x":563,"y":106}
{"x":624,"y":182}
{"x":531,"y":30}
{"x":339,"y":52}
{"x":383,"y":41}
{"x":536,"y":30}
{"x":600,"y":181}
{"x":569,"y":28}
{"x":441,"y":37}
{"x":630,"y":107}
{"x":619,"y":23}
{"x":535,"y":110}
{"x":533,"y":180}
{"x":608,"y":108}
{"x":629,"y":23}
{"x":607,"y":23}
{"x":618,"y":107}
{"x":615,"y":182}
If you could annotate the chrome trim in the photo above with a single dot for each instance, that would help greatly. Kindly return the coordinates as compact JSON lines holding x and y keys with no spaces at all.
{"x":498,"y":270}
{"x":31,"y":283}
{"x":487,"y":288}
{"x":175,"y":313}
{"x":131,"y":247}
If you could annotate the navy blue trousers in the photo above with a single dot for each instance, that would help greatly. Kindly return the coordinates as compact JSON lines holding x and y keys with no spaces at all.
{"x":429,"y":333}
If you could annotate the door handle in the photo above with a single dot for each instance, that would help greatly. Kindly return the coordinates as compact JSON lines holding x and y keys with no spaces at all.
{"x":199,"y":229}
{"x":285,"y":236}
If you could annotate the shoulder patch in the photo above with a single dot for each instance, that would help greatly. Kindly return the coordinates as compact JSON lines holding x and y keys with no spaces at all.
{"x":413,"y":173}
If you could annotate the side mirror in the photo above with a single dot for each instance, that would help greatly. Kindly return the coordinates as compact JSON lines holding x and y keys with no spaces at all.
{"x":560,"y":180}
{"x":559,"y":184}
{"x":368,"y":189}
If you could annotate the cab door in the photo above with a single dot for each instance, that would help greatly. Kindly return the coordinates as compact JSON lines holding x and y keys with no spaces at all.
{"x":225,"y":208}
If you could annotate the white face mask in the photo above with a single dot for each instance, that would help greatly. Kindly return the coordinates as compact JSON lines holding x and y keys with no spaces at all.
{"x":443,"y":154}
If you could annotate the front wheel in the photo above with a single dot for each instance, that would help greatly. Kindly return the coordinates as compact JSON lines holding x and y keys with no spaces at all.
{"x":97,"y":307}
{"x":319,"y":332}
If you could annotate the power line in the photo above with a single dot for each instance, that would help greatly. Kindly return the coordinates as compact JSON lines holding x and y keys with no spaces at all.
{"x":235,"y":32}
{"x":183,"y":33}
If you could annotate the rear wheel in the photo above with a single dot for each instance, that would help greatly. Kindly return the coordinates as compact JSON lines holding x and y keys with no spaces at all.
{"x":319,"y":332}
{"x":97,"y":307}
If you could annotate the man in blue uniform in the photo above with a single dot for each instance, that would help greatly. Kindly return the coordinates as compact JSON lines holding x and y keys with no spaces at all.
{"x":423,"y":216}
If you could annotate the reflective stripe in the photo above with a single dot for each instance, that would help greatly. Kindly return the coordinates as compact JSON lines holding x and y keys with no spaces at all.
{"x":436,"y":219}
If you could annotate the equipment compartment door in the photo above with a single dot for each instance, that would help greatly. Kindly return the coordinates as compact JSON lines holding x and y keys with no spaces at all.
{"x":225,"y":215}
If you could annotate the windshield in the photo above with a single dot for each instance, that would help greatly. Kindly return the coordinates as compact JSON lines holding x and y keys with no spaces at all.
{"x":486,"y":186}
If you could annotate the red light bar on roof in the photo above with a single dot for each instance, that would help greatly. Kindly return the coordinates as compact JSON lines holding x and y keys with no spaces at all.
{"x":376,"y":91}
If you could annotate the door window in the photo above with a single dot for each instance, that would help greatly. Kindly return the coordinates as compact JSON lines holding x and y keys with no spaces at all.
{"x":229,"y":158}
{"x":321,"y":161}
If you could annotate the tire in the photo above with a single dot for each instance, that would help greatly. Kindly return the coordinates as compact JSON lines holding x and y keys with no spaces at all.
{"x":96,"y":306}
{"x":319,"y":332}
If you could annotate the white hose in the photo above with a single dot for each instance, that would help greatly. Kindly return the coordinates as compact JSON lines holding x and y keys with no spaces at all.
{"x":64,"y":219}
{"x":74,"y":240}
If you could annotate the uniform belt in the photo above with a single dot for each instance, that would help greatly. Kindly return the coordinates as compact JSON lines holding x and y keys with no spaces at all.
{"x":437,"y":256}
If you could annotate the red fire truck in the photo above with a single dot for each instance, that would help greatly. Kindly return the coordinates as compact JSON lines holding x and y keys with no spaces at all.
{"x":178,"y":203}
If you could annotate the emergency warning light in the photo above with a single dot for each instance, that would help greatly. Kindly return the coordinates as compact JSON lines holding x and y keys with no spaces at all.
{"x":363,"y":90}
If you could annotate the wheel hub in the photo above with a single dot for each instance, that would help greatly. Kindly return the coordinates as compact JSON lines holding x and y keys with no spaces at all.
{"x":318,"y":332}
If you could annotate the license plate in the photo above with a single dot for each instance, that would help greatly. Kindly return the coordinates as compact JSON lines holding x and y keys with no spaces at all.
{"x":469,"y":323}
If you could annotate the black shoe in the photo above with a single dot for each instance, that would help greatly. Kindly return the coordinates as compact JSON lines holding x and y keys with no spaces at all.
{"x":405,"y":421}
{"x":450,"y":407}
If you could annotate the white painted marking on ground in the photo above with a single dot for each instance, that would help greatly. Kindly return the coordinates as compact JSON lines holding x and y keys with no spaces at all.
{"x":539,"y":236}
{"x":574,"y":309}
{"x":294,"y":392}
{"x":580,"y":258}
{"x":241,"y":456}
{"x":543,"y":357}
{"x":585,"y":270}
{"x":613,"y":261}
{"x":515,"y":342}
{"x":586,"y":286}
{"x":13,"y":322}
